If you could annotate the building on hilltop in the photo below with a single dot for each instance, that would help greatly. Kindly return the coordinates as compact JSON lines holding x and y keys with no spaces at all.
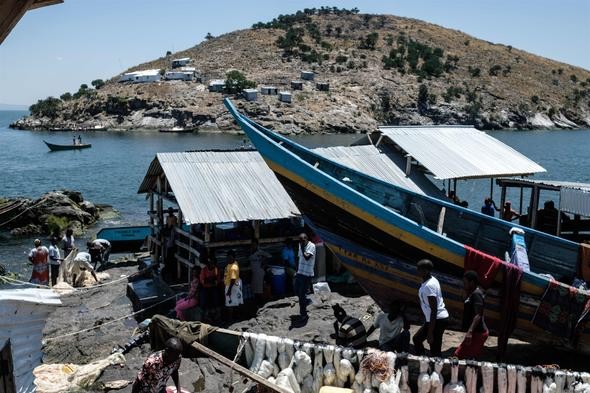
{"x":285,"y":96}
{"x":307,"y":75}
{"x":250,"y":94}
{"x":297,"y":85}
{"x":322,"y":86}
{"x":216,"y":85}
{"x":176,"y":63}
{"x":269,"y":90}
{"x":179,"y":75}
{"x":141,"y":76}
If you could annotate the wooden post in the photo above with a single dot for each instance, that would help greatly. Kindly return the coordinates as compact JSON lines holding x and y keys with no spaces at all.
{"x":492,"y":188}
{"x":502,"y":201}
{"x":257,"y":229}
{"x":534,"y":205}
{"x":408,"y":165}
{"x":520,"y":201}
{"x":558,"y":232}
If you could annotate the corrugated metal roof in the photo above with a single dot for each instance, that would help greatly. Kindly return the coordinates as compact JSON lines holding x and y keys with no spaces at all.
{"x":460,"y":152}
{"x":216,"y":187}
{"x":369,"y":160}
{"x":23,"y":313}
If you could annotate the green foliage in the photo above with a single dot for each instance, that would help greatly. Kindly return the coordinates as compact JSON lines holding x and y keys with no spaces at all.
{"x":168,"y":53}
{"x":422,"y":59}
{"x":326,"y":45}
{"x":47,"y":107}
{"x":338,"y":31}
{"x":350,"y":65}
{"x":329,"y":29}
{"x":370,"y":41}
{"x":311,"y":57}
{"x":116,"y":105}
{"x":535,"y":99}
{"x":506,"y":71}
{"x":286,"y":21}
{"x":97,"y":83}
{"x":56,"y":224}
{"x":551,"y":112}
{"x":314,"y":32}
{"x":555,"y":82}
{"x":494,"y":70}
{"x":422,"y":98}
{"x":451,"y":63}
{"x":509,"y":48}
{"x":451,"y":93}
{"x":466,"y":42}
{"x":475,"y":72}
{"x":67,"y":96}
{"x":560,"y":71}
{"x":332,"y":68}
{"x":235,"y":82}
{"x":292,"y":38}
{"x":389,"y":39}
{"x":209,"y":36}
{"x":82,"y":91}
{"x":573,"y":78}
{"x":340,"y":59}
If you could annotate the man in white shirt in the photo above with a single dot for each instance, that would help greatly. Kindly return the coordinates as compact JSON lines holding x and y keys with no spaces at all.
{"x":433,"y":308}
{"x":257,"y":260}
{"x":305,"y":272}
{"x":54,"y":260}
{"x":81,"y":264}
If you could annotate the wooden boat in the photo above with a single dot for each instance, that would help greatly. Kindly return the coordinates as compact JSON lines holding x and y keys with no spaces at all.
{"x":379,"y":231}
{"x":125,"y":239}
{"x":54,"y":147}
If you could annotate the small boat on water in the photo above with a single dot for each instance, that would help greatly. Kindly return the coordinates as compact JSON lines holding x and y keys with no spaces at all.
{"x":379,"y":231}
{"x":125,"y":239}
{"x":177,"y":130}
{"x":55,"y":147}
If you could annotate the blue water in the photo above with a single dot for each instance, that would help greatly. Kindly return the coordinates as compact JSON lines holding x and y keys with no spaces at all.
{"x":112,"y":170}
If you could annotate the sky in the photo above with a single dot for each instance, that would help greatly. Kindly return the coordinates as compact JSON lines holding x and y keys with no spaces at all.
{"x":55,"y":49}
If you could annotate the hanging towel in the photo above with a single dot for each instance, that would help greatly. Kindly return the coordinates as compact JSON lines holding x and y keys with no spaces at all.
{"x":562,"y":309}
{"x":584,"y":262}
{"x":486,"y":266}
{"x":510,"y":303}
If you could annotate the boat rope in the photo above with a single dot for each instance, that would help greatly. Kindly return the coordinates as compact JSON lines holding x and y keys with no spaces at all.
{"x":239,"y":351}
{"x":107,"y":323}
{"x":24,"y":211}
{"x":14,"y":281}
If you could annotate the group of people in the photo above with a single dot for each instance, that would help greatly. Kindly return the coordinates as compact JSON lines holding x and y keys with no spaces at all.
{"x":47,"y":261}
{"x":394,"y":333}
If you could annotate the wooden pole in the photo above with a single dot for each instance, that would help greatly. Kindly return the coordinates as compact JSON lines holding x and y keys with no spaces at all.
{"x":534,"y":205}
{"x":234,"y":366}
{"x":502,"y":200}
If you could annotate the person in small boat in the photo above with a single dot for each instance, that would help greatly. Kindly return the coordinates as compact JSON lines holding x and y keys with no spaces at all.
{"x":476,"y":331}
{"x":305,"y":273}
{"x":394,"y":329}
{"x":257,"y":260}
{"x":233,"y":285}
{"x":68,"y":242}
{"x":433,"y":307}
{"x":79,"y":140}
{"x":80,"y":266}
{"x":349,"y":331}
{"x":192,"y":298}
{"x":489,"y":207}
{"x":158,"y":368}
{"x":39,"y":257}
{"x":209,"y":293}
{"x":74,"y":141}
{"x":508,"y":214}
{"x":54,"y":260}
{"x":453,"y":197}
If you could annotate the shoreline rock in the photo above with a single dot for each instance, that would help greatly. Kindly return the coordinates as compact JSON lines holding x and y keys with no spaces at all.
{"x":53,"y":211}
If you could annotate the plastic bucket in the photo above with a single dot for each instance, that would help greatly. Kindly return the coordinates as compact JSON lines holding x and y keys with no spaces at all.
{"x":279,"y":281}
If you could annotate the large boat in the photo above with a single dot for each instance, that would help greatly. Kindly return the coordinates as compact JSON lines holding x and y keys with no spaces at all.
{"x":54,"y":147}
{"x":379,"y":231}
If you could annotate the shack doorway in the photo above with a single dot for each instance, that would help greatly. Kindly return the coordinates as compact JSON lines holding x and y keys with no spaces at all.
{"x":6,"y":369}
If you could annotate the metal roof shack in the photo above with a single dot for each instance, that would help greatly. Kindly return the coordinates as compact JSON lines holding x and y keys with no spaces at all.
{"x":23,"y":313}
{"x":220,"y":187}
{"x":456,"y":152}
{"x":285,"y":96}
{"x":216,"y":85}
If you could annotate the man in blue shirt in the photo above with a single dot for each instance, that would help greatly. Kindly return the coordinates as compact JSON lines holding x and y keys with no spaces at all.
{"x":489,"y":207}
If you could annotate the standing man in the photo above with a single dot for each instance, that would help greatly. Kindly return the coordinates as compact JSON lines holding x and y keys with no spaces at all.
{"x":39,"y":257}
{"x":257,"y":264}
{"x":305,"y":272}
{"x":67,"y":242}
{"x":158,"y":367}
{"x":433,"y":307}
{"x":233,"y":285}
{"x":54,"y":260}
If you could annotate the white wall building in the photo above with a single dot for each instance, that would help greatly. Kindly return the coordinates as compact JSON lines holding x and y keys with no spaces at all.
{"x":180,"y":62}
{"x":269,"y":90}
{"x":141,"y":76}
{"x":23,"y":313}
{"x":250,"y":94}
{"x":179,"y":75}
{"x":217,"y":85}
{"x":285,"y":96}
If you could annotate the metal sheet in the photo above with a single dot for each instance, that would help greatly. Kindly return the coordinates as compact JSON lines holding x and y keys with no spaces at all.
{"x":460,"y":152}
{"x":216,"y":187}
{"x":575,"y":201}
{"x":23,"y":313}
{"x":369,"y":160}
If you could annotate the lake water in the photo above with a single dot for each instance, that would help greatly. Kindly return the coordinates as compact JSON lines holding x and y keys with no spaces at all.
{"x":112,"y":170}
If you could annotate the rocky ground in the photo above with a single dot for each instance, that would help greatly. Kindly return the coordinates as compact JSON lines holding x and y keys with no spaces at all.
{"x":53,"y":210}
{"x":98,"y":307}
{"x":492,"y":86}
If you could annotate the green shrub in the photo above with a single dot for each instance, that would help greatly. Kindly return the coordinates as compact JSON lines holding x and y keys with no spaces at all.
{"x":370,"y":41}
{"x":573,"y":78}
{"x":48,"y":107}
{"x":451,"y":93}
{"x":56,"y":224}
{"x":314,"y":32}
{"x":340,"y":59}
{"x":292,"y":38}
{"x":422,"y":98}
{"x":474,"y":72}
{"x":535,"y":99}
{"x":494,"y":70}
{"x":326,"y":45}
{"x":350,"y":65}
{"x":235,"y":82}
{"x":66,"y":96}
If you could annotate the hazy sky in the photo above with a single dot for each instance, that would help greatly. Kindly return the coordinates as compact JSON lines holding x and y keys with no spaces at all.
{"x":55,"y":49}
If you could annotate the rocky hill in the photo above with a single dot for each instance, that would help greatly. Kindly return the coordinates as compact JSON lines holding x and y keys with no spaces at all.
{"x":381,"y":69}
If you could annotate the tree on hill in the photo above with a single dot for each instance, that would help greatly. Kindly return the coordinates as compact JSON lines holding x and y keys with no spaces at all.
{"x":48,"y":107}
{"x":168,"y":53}
{"x":235,"y":82}
{"x":370,"y":41}
{"x":97,"y":83}
{"x":67,"y":96}
{"x":209,"y":36}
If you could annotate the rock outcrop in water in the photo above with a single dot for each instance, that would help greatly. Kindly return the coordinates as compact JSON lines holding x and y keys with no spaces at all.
{"x":381,"y":69}
{"x":53,"y":210}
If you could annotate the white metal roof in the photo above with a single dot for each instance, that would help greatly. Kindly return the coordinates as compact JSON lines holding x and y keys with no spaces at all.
{"x":217,"y":186}
{"x":460,"y":152}
{"x":143,"y":73}
{"x":23,"y":313}
{"x":182,"y":59}
{"x":369,"y":160}
{"x":217,"y":82}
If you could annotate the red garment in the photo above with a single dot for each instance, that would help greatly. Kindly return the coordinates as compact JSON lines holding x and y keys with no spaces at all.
{"x":474,"y":349}
{"x":40,"y":260}
{"x":510,"y":303}
{"x":209,"y":277}
{"x":486,"y":266}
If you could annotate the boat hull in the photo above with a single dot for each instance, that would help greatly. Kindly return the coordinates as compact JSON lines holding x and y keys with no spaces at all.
{"x":54,"y":147}
{"x":125,"y":239}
